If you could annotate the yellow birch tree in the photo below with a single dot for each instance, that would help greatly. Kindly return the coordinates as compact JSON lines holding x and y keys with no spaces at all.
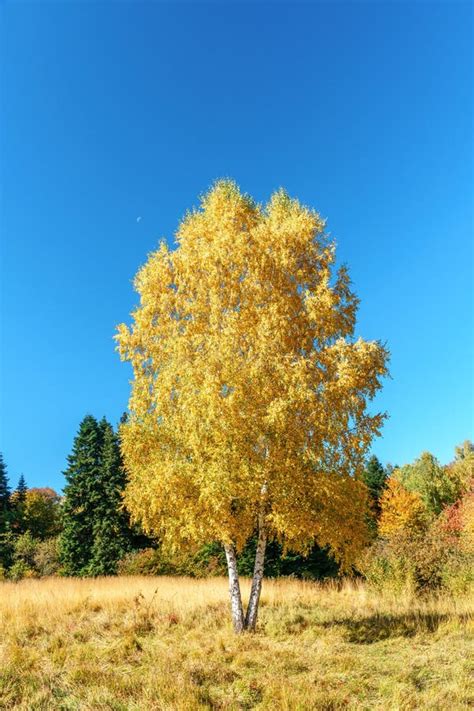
{"x":248,"y":410}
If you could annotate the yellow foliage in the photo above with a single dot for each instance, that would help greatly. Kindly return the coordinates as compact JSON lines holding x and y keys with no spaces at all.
{"x":400,"y":509}
{"x":248,"y":382}
{"x":467,"y":517}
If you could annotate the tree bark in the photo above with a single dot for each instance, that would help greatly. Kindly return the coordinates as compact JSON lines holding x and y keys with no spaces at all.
{"x":252,"y":609}
{"x":234,"y":590}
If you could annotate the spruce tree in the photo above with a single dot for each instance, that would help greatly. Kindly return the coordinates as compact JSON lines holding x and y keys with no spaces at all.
{"x":17,"y":503}
{"x":111,"y":530}
{"x":4,"y":495}
{"x":375,"y":478}
{"x":6,"y":536}
{"x":96,"y":529}
{"x":82,"y":497}
{"x":21,"y":489}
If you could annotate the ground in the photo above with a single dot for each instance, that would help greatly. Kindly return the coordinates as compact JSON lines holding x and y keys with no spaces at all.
{"x":166,"y":643}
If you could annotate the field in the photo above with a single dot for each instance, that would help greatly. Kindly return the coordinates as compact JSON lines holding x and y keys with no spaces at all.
{"x":166,"y":643}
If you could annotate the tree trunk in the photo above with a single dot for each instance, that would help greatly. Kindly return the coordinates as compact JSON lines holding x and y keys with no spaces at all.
{"x":252,"y":610}
{"x":234,"y":590}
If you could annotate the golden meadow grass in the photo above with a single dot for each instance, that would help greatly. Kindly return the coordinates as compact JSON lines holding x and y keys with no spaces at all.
{"x":166,"y":643}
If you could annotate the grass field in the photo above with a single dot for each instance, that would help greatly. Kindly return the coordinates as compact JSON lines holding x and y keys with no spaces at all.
{"x":166,"y":643}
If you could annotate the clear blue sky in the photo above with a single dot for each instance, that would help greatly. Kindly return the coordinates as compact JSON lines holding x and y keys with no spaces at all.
{"x":116,"y":110}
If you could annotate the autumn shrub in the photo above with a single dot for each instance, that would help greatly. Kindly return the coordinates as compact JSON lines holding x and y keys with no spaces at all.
{"x":32,"y":557}
{"x":46,"y":557}
{"x":419,"y":560}
{"x":457,"y":522}
{"x":458,"y":573}
{"x":19,"y":570}
{"x":386,"y":570}
{"x":144,"y":562}
{"x":207,"y":561}
{"x":24,"y":550}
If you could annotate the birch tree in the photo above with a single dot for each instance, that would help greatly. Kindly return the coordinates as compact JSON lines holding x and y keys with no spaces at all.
{"x":248,"y":409}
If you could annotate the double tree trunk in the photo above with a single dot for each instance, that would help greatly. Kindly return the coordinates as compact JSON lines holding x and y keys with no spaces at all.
{"x":248,"y":622}
{"x":234,"y":590}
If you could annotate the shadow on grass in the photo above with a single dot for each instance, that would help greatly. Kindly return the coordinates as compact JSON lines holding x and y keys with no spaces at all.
{"x":378,"y":627}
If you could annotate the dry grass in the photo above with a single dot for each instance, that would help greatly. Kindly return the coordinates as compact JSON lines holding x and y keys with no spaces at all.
{"x":166,"y":643}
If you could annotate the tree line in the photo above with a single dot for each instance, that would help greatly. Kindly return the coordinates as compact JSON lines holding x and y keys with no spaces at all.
{"x":420,"y":522}
{"x":87,"y":530}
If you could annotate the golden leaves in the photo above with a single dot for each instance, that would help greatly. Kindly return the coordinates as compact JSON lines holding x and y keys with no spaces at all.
{"x":245,"y":372}
{"x":400,"y":509}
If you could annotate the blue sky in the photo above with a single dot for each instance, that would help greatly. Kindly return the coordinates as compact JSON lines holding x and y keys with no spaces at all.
{"x":111,"y":111}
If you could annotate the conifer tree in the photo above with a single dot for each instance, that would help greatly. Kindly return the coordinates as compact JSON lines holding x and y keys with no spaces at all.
{"x":96,"y":531}
{"x":4,"y":495}
{"x":375,"y":478}
{"x":17,"y":500}
{"x":21,"y":489}
{"x":82,"y":497}
{"x":6,"y":545}
{"x":111,"y":532}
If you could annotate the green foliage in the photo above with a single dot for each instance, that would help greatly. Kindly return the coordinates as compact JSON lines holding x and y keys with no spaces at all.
{"x":464,"y":451}
{"x":82,"y":497}
{"x":21,"y":489}
{"x":458,"y":573}
{"x":96,"y":532}
{"x":24,"y":549}
{"x":46,"y":557}
{"x":4,"y":500}
{"x":375,"y":478}
{"x":418,"y":561}
{"x":7,"y":544}
{"x":210,"y":560}
{"x":431,"y":481}
{"x":111,"y":531}
{"x":20,"y":570}
{"x":17,"y":505}
{"x":42,"y":513}
{"x":31,"y":557}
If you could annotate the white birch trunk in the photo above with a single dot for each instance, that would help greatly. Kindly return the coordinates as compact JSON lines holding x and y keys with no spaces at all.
{"x":234,"y":590}
{"x":252,"y":610}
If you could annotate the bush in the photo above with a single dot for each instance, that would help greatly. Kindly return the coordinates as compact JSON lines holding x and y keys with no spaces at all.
{"x":419,"y":561}
{"x":210,"y":560}
{"x":20,"y":570}
{"x":458,"y":574}
{"x":46,"y":557}
{"x":144,"y":562}
{"x":24,"y":549}
{"x":385,"y":570}
{"x":206,"y":562}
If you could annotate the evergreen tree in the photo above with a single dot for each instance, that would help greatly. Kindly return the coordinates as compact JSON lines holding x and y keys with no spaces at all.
{"x":82,"y":497}
{"x":375,"y":477}
{"x":111,"y":530}
{"x":96,"y":529}
{"x":21,"y":489}
{"x":6,"y":545}
{"x":17,"y":501}
{"x":4,"y":496}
